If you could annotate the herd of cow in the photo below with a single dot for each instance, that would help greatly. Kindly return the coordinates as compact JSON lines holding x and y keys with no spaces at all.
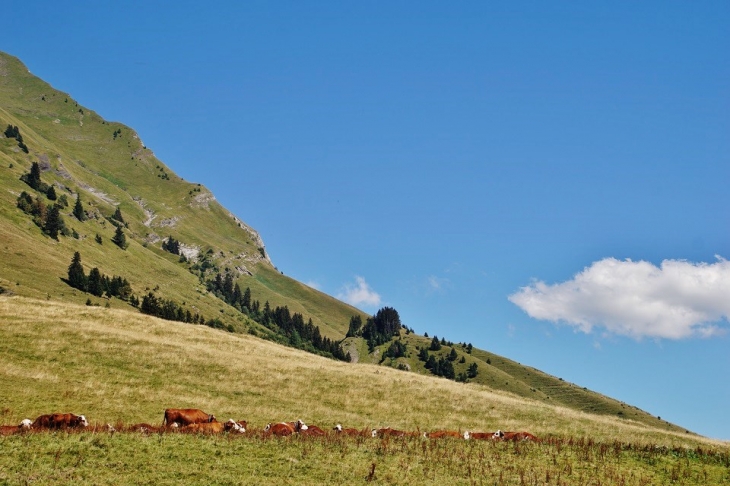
{"x":197,"y":421}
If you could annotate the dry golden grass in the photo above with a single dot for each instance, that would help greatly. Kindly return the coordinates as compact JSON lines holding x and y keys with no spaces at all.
{"x":114,"y":365}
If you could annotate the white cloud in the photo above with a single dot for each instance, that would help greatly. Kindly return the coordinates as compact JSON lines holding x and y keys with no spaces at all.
{"x":677,"y":300}
{"x":359,"y":294}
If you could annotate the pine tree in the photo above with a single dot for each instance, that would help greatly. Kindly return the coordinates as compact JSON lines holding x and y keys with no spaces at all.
{"x":472,"y":371}
{"x":447,"y":369}
{"x":118,"y":215}
{"x":246,"y":299}
{"x":54,"y":222}
{"x":95,"y":283}
{"x":79,"y":209}
{"x":435,"y":344}
{"x":228,"y":288}
{"x":119,"y":239}
{"x":51,"y":194}
{"x":33,"y":178}
{"x":355,"y":326}
{"x":76,"y":275}
{"x":453,"y":354}
{"x":236,"y":299}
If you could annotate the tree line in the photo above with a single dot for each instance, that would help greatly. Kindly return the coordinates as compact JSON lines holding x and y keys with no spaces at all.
{"x":291,"y":328}
{"x":96,"y":283}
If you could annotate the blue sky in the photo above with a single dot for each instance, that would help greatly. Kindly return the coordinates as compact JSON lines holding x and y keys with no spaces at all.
{"x":545,"y":180}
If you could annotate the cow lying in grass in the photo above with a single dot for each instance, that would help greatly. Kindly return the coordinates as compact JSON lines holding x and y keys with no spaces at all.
{"x":14,"y":429}
{"x":351,"y":432}
{"x":501,"y":436}
{"x":56,"y":421}
{"x":186,"y":416}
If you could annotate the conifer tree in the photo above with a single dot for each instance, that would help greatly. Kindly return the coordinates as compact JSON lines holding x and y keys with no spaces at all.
{"x":76,"y":275}
{"x":472,"y":371}
{"x":246,"y":299}
{"x":355,"y":326}
{"x":95,"y":283}
{"x":33,"y":179}
{"x":54,"y":222}
{"x":79,"y":209}
{"x":118,"y":215}
{"x":119,"y":239}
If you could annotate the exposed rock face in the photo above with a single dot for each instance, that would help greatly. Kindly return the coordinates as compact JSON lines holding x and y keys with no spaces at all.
{"x":98,"y":193}
{"x":255,"y":237}
{"x":189,"y":252}
{"x":203,"y":200}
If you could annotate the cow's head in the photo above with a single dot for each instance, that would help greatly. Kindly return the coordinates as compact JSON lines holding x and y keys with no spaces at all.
{"x":498,"y":435}
{"x":300,"y":426}
{"x":338,"y":428}
{"x":81,"y":420}
{"x":239,"y":427}
{"x":467,"y":435}
{"x":268,"y":427}
{"x":25,"y":424}
{"x":374,"y":433}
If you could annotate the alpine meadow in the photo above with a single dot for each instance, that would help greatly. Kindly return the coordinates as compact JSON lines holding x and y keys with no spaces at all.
{"x":126,"y":290}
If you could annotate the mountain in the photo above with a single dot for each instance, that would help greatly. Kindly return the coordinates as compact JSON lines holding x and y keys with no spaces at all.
{"x":106,"y":167}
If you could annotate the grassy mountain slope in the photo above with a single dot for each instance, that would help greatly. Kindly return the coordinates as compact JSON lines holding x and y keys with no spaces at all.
{"x":116,"y":365}
{"x":108,"y":165}
{"x":113,"y":364}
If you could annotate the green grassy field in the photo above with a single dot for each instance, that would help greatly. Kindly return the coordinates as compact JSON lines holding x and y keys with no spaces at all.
{"x":117,"y":366}
{"x":101,"y":458}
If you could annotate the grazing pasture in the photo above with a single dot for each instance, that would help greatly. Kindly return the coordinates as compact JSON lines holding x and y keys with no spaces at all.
{"x":256,"y":458}
{"x":120,"y":367}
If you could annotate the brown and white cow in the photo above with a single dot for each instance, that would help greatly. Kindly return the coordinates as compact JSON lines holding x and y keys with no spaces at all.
{"x":186,"y":416}
{"x":298,"y":426}
{"x":312,"y":430}
{"x":281,"y":429}
{"x":518,"y":436}
{"x":59,"y":421}
{"x":339,"y":430}
{"x":234,"y":426}
{"x":15,"y":429}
